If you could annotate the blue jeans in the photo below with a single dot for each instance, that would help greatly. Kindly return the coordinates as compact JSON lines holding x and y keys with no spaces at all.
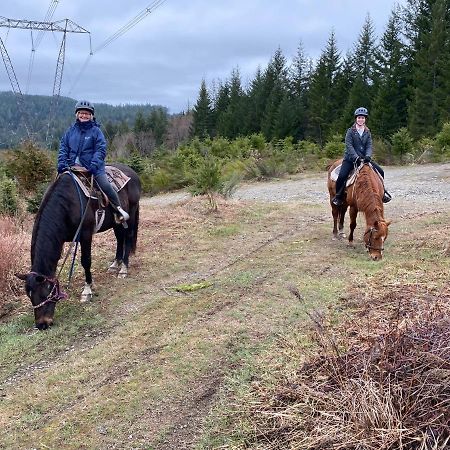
{"x":106,"y":187}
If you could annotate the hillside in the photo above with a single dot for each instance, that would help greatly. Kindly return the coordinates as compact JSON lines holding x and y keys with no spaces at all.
{"x":45,"y":118}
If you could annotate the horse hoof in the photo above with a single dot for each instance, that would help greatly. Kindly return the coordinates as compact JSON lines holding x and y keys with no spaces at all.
{"x":112,"y":269}
{"x":122,"y":275}
{"x":85,"y":298}
{"x":342,"y":236}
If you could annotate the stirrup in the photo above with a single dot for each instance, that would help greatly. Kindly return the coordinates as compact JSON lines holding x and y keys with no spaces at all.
{"x":124,"y":216}
{"x":337,"y":201}
{"x":387,"y":197}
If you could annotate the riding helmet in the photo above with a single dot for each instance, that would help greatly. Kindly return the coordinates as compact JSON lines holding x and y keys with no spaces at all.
{"x":84,"y":104}
{"x":361,"y":111}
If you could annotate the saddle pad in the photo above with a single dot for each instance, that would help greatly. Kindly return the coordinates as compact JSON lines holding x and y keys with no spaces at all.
{"x":335,"y":173}
{"x":115,"y":176}
{"x":351,"y":178}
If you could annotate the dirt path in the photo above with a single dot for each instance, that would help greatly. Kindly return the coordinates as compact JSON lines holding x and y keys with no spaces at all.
{"x":149,"y":376}
{"x":417,"y":188}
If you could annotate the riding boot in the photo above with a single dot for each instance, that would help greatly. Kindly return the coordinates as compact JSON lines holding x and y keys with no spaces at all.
{"x":113,"y":197}
{"x":387,"y":197}
{"x":122,"y":212}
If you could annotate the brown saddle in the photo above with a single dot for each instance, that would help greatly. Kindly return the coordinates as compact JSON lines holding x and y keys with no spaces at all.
{"x":352,"y":176}
{"x":90,"y":188}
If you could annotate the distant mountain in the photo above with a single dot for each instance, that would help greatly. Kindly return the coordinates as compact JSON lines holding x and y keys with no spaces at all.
{"x":47,"y":121}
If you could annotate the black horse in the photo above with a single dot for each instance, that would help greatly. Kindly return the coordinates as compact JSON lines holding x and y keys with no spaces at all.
{"x":57,"y":222}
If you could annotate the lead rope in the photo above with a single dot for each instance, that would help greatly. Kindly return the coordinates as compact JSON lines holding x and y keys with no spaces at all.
{"x":76,"y":237}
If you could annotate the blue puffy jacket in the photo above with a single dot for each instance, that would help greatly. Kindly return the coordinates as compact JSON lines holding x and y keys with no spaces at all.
{"x":86,"y":141}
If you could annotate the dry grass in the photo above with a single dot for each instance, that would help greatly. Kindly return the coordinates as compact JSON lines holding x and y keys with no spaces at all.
{"x":385,"y":386}
{"x":14,"y":251}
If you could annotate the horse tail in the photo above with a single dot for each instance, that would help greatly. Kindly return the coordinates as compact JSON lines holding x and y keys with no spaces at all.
{"x":136,"y":227}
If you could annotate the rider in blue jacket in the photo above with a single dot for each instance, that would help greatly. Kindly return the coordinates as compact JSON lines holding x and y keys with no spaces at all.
{"x":84,"y":144}
{"x":358,"y":148}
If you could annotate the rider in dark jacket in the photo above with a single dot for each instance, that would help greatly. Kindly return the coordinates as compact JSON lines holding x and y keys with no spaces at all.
{"x":358,"y":148}
{"x":84,"y":144}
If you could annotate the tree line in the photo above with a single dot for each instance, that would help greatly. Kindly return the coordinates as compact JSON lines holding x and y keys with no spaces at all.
{"x":403,"y":78}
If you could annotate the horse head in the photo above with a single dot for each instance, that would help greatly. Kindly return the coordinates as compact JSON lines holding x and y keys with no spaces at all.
{"x":44,"y":292}
{"x":374,"y":238}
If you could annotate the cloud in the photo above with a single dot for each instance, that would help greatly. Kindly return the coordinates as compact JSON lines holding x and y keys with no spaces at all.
{"x":163,"y":59}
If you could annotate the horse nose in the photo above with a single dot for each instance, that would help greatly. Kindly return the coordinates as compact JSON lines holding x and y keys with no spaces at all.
{"x":376,"y":257}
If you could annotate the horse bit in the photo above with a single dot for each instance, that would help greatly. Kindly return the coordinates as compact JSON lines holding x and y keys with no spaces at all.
{"x":55,"y":295}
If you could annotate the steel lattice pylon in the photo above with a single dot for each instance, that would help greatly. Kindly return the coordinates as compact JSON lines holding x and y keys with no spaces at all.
{"x":64,"y":26}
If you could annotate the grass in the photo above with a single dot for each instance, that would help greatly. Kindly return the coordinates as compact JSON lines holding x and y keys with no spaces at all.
{"x":143,"y":365}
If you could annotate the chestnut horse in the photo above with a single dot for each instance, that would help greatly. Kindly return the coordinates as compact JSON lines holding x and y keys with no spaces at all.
{"x":64,"y":214}
{"x":365,"y":195}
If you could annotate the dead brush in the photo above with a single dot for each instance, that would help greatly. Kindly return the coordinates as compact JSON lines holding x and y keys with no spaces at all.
{"x":14,"y":245}
{"x":388,"y":390}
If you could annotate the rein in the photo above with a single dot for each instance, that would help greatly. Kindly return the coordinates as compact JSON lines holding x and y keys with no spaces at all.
{"x":369,"y":245}
{"x":55,"y":295}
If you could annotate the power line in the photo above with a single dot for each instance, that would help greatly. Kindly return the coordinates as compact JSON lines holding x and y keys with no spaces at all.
{"x":144,"y":13}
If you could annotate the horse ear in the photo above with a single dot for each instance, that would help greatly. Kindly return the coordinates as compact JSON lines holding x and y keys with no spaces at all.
{"x":21,"y":276}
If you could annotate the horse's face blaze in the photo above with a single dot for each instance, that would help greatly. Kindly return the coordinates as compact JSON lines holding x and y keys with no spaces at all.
{"x":38,"y":289}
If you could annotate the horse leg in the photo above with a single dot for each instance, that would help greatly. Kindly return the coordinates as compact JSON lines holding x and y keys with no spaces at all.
{"x":86,"y":260}
{"x":353,"y":214}
{"x":117,"y":263}
{"x":128,"y":238}
{"x":335,"y":212}
{"x":342,"y":212}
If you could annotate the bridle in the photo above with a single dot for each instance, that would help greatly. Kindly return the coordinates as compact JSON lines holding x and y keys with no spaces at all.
{"x":55,"y":295}
{"x":369,"y":245}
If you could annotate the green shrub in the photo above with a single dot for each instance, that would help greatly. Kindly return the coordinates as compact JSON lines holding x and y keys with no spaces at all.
{"x":9,"y":198}
{"x":30,"y":166}
{"x":382,"y":151}
{"x":334,"y":148}
{"x":425,"y":150}
{"x":208,"y":180}
{"x":443,"y":141}
{"x":35,"y":200}
{"x":402,"y":144}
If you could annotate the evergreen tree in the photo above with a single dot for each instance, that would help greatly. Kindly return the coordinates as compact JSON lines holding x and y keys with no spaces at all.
{"x":299,"y":76}
{"x":158,"y":123}
{"x":231,"y":124}
{"x":323,"y":100}
{"x":140,"y":124}
{"x":255,"y":103}
{"x":364,"y":62}
{"x":275,"y":88}
{"x":430,"y":103}
{"x":390,"y":104}
{"x":202,"y":114}
{"x":221,"y":103}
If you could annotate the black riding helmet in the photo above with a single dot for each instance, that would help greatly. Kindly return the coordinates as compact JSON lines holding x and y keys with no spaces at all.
{"x":361,"y":111}
{"x":86,"y":105}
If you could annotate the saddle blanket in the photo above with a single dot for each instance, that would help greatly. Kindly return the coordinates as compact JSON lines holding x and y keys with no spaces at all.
{"x":352,"y":177}
{"x":115,"y":176}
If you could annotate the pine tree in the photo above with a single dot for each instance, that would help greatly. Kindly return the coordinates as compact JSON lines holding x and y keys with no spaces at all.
{"x":364,"y":61}
{"x":430,"y":102}
{"x":202,"y":114}
{"x":231,"y":123}
{"x":299,"y":77}
{"x":389,"y":110}
{"x":323,"y":100}
{"x":274,"y":90}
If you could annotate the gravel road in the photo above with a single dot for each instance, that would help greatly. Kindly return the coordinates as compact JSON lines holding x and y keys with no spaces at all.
{"x":416,"y":188}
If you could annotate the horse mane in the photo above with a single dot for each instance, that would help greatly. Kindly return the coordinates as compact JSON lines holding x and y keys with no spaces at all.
{"x":38,"y":219}
{"x":367,"y":195}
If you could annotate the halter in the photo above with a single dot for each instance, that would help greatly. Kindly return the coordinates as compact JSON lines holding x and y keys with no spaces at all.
{"x":55,"y":295}
{"x":369,"y":245}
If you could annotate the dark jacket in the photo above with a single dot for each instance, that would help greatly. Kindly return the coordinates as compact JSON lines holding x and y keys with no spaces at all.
{"x":86,"y":141}
{"x":357,"y":146}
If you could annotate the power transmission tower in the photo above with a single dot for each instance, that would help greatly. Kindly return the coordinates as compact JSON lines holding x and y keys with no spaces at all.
{"x":64,"y":26}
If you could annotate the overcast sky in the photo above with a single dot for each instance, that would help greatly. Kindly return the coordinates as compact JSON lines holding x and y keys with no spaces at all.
{"x":163,"y":58}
